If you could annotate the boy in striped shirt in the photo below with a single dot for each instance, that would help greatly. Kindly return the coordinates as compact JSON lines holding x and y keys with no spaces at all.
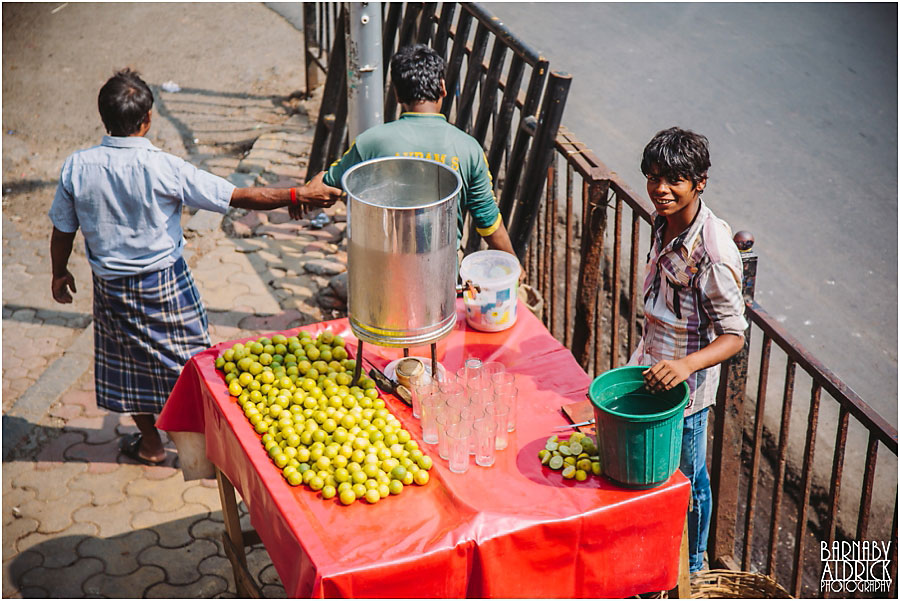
{"x":693,"y":304}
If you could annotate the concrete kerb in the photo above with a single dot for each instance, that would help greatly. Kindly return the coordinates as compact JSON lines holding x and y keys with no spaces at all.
{"x":31,"y":408}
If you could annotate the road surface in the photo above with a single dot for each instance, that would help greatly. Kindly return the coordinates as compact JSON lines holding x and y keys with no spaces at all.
{"x":799,"y":102}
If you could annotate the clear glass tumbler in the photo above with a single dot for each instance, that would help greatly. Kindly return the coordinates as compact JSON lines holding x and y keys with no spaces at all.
{"x":423,"y":385}
{"x":429,"y":407}
{"x":458,"y":442}
{"x":508,"y":396}
{"x":489,"y":368}
{"x":500,"y":415}
{"x":445,"y":419}
{"x":503,"y":380}
{"x":469,"y":415}
{"x":485,"y":442}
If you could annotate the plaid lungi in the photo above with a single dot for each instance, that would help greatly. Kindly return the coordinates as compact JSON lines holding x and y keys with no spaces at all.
{"x":146,"y":327}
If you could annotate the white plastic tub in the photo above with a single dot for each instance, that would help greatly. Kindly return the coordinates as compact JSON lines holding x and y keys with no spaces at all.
{"x":496,"y":273}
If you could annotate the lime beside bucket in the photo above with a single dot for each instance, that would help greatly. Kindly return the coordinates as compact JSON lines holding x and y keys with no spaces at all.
{"x":638,"y":432}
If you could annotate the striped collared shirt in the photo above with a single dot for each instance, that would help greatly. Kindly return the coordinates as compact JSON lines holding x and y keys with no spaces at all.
{"x":692,"y":295}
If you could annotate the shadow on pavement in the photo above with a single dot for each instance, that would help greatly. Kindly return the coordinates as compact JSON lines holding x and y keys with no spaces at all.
{"x":182,"y":558}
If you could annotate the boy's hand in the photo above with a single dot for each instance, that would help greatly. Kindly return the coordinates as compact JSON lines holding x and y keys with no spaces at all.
{"x":666,"y":375}
{"x":60,"y":287}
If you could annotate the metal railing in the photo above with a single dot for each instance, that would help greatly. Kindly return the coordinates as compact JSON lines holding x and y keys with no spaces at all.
{"x":768,"y":490}
{"x":584,"y":254}
{"x":516,"y":122}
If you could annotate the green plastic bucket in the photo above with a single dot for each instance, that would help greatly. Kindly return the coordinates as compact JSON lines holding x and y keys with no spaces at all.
{"x":638,"y":432}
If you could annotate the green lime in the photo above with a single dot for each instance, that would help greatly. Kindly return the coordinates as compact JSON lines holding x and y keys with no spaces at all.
{"x":575,"y":448}
{"x":581,"y":475}
{"x":556,"y":462}
{"x":551,"y":445}
{"x":565,"y":450}
{"x":569,"y":472}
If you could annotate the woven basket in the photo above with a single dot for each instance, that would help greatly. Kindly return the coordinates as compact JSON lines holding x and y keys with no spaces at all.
{"x":725,"y":584}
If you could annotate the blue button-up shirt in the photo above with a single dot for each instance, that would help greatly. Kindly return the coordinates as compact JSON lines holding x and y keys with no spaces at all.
{"x":127,"y":197}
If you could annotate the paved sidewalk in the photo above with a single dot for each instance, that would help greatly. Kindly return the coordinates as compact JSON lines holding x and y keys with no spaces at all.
{"x":79,"y":519}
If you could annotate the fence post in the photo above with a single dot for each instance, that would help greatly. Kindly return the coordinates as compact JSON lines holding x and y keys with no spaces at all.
{"x":589,"y":278}
{"x":529,"y":202}
{"x":309,"y":35}
{"x":332,"y":119}
{"x":728,"y":430}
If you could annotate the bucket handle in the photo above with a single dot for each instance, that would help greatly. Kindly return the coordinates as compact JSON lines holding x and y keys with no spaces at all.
{"x":468,"y":286}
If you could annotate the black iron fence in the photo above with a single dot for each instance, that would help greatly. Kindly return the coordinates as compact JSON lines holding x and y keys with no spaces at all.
{"x":511,"y":103}
{"x":783,"y":480}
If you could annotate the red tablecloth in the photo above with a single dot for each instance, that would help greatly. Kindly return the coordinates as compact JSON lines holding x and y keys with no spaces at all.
{"x":516,"y":529}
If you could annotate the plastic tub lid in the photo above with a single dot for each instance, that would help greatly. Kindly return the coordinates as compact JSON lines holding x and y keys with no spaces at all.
{"x":490,"y":268}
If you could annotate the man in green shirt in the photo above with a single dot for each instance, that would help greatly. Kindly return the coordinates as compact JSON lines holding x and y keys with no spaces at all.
{"x":423,"y":132}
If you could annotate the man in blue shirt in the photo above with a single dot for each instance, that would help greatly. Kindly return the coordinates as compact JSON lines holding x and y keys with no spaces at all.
{"x":127,"y":196}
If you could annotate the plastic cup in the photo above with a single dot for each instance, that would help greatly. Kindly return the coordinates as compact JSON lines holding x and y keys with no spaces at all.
{"x":499,"y":413}
{"x":458,"y":446}
{"x":429,"y":407}
{"x":509,"y":397}
{"x":445,"y":419}
{"x":485,"y":442}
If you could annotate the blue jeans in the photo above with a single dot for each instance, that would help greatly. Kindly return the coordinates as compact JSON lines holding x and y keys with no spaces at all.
{"x":693,"y":466}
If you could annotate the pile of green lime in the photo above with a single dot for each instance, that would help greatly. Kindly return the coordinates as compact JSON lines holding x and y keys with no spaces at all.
{"x":577,"y":457}
{"x":337,"y":439}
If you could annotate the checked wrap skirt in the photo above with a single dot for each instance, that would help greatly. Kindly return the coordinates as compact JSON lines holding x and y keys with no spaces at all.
{"x":146,"y":327}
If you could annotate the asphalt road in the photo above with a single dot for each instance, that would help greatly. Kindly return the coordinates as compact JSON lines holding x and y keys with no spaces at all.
{"x":799,"y":102}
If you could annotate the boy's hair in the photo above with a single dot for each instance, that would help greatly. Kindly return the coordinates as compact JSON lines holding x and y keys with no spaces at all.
{"x":677,"y":153}
{"x":416,"y":72}
{"x":124,"y":101}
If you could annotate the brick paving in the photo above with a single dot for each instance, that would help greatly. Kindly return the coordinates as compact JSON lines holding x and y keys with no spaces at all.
{"x":79,"y":519}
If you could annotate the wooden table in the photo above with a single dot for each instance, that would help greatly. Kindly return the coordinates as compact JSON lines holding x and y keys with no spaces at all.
{"x":516,"y":529}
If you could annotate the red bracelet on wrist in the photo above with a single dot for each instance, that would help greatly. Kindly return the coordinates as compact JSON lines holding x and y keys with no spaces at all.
{"x":294,"y":196}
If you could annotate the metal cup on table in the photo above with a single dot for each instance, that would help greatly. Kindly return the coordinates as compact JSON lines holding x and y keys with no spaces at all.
{"x":485,"y":431}
{"x":499,"y":413}
{"x":458,"y":447}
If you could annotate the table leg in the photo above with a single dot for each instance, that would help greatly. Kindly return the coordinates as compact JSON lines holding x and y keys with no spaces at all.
{"x":682,"y":590}
{"x":233,"y":540}
{"x":357,"y":371}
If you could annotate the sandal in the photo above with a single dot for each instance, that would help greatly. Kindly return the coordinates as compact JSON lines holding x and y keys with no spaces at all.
{"x":130,"y":445}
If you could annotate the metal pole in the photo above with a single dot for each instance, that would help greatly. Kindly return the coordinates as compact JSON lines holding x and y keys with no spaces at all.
{"x":365,"y":79}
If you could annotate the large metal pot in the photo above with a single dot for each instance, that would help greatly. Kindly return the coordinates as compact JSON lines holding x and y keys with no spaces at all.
{"x":401,"y":234}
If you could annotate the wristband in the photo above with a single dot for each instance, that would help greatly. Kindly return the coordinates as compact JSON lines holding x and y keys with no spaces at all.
{"x":294,"y":196}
